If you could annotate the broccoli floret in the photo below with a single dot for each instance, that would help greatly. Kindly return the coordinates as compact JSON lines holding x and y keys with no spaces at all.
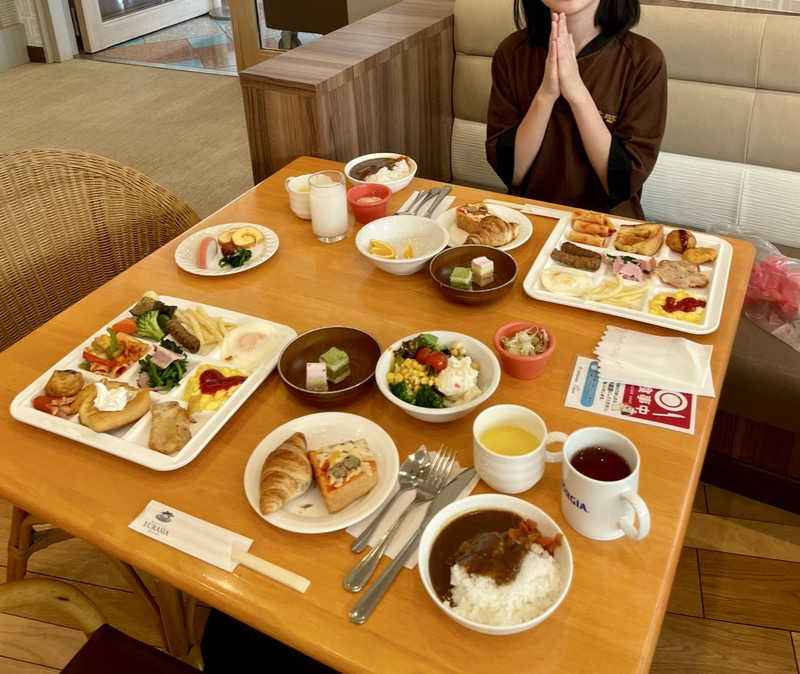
{"x":147,"y":325}
{"x":428,"y":397}
{"x":402,"y":391}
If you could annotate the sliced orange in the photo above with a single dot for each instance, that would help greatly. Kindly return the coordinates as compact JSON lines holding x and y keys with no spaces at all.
{"x":381,"y":249}
{"x":408,"y":253}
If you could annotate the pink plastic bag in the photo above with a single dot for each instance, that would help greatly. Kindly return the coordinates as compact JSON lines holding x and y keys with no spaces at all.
{"x":773,"y":293}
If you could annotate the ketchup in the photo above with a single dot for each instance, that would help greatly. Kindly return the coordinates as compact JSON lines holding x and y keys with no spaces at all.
{"x":212,"y":381}
{"x":687,"y":304}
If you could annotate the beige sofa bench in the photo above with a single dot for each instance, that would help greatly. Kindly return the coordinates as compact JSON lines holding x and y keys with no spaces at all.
{"x":730,"y":156}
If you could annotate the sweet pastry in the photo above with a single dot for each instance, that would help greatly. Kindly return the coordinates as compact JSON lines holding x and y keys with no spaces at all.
{"x":680,"y":240}
{"x":316,"y":377}
{"x":700,"y":255}
{"x":337,"y":363}
{"x":286,"y":474}
{"x":644,"y":239}
{"x":461,"y":278}
{"x":494,"y":232}
{"x":482,"y":271}
{"x":469,"y":216}
{"x":344,"y":472}
{"x":107,"y":405}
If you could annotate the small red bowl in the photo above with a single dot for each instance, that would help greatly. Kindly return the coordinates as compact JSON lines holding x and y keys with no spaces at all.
{"x":522,"y":367}
{"x":368,"y":212}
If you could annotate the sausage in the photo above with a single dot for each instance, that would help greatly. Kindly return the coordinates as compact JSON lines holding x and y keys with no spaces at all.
{"x":185,"y":338}
{"x":572,"y":249}
{"x":576,"y":261}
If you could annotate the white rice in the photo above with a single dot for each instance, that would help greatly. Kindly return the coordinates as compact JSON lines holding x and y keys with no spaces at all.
{"x":531,"y":593}
{"x":400,"y":169}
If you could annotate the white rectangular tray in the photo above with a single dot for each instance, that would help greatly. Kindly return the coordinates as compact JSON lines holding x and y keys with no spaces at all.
{"x":713,"y":293}
{"x":130,"y":442}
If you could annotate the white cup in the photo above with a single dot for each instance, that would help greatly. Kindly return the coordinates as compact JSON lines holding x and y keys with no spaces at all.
{"x":512,"y":474}
{"x":299,"y":198}
{"x":598,"y":509}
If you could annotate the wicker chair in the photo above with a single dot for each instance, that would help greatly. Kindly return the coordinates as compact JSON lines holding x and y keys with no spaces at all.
{"x":71,"y":221}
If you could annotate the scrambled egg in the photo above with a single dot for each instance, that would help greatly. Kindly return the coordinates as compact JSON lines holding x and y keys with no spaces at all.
{"x":656,"y":307}
{"x":198,"y":400}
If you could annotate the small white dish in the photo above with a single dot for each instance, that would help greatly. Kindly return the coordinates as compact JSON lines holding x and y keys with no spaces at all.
{"x":394,"y":185}
{"x":307,"y":514}
{"x":458,"y":236}
{"x":427,"y":238}
{"x":545,"y":524}
{"x":186,"y":252}
{"x":299,"y":196}
{"x":488,"y":379}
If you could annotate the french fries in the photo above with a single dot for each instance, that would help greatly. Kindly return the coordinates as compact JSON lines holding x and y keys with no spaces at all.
{"x":617,"y":293}
{"x":207,"y":329}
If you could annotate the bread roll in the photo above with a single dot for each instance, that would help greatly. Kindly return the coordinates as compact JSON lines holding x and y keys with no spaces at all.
{"x":286,"y":474}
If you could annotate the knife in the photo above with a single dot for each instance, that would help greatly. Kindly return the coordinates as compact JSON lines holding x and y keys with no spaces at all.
{"x":366,"y":605}
{"x":443,"y":192}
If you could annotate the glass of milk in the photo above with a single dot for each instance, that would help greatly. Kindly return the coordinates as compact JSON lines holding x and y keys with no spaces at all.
{"x":329,"y":217}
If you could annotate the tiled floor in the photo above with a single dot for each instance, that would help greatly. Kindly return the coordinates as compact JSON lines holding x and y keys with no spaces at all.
{"x":202,"y":44}
{"x":734,"y":607}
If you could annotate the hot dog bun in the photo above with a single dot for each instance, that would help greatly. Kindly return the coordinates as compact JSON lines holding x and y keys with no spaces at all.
{"x":138,"y":405}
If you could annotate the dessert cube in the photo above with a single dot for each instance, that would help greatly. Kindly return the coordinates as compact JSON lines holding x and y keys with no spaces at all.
{"x":461,"y":278}
{"x":337,"y":363}
{"x":316,"y":377}
{"x":482,"y":271}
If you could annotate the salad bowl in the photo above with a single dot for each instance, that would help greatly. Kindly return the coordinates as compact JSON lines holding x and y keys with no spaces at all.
{"x":488,"y":377}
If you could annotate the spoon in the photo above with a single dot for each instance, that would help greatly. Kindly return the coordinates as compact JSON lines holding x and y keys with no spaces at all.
{"x":411,"y":475}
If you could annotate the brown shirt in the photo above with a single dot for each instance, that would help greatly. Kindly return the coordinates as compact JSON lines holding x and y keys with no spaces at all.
{"x":627,"y":78}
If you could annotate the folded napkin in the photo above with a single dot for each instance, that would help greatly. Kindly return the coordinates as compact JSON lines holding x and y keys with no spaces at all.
{"x":669,"y":363}
{"x":441,"y":208}
{"x":412,"y":521}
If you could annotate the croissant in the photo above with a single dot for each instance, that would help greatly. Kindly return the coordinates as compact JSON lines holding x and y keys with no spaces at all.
{"x":494,"y":232}
{"x":286,"y":474}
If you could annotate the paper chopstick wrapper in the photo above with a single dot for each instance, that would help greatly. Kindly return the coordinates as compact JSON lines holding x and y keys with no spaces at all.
{"x":208,"y":542}
{"x":412,"y":521}
{"x":441,"y":208}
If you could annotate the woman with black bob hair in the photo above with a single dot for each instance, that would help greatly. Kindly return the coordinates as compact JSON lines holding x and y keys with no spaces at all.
{"x":578,"y":105}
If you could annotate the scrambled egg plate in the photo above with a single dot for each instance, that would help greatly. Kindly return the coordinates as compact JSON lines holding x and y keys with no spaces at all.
{"x":567,"y":281}
{"x":657,"y":307}
{"x":199,"y":401}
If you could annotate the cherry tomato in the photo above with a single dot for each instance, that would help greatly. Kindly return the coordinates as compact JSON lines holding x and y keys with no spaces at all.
{"x":437,"y":360}
{"x":422,"y":354}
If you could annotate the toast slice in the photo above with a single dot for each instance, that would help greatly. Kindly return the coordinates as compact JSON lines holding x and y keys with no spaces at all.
{"x":469,"y":216}
{"x":344,"y":472}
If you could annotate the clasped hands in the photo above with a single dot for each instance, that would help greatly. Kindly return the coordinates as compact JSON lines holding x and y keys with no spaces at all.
{"x":561,"y":74}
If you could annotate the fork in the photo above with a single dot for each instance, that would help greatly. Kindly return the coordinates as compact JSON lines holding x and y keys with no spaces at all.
{"x":436,"y":479}
{"x":410,"y":477}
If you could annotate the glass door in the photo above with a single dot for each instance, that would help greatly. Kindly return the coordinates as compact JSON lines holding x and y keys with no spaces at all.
{"x":105,"y":23}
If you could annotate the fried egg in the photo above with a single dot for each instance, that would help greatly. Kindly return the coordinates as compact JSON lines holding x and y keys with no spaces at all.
{"x":250,"y":346}
{"x":567,"y":281}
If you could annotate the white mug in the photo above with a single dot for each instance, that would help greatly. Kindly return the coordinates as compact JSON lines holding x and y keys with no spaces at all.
{"x":513,"y":474}
{"x":597,"y":509}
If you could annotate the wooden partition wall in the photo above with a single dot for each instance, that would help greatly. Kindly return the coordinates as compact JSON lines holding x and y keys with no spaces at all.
{"x":381,"y":84}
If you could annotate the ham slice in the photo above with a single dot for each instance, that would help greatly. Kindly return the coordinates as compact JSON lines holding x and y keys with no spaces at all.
{"x":163,"y":357}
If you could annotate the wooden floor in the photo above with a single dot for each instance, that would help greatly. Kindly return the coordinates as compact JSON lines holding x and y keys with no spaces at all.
{"x":735,"y":604}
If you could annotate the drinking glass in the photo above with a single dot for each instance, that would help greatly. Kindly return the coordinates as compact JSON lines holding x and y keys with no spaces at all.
{"x":329,"y":217}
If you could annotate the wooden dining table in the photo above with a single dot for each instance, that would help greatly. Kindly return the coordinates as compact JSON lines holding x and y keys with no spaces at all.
{"x":611,"y":617}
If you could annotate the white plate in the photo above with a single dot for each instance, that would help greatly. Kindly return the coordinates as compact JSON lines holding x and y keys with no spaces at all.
{"x":459,"y":236}
{"x":186,"y":252}
{"x":713,"y":293}
{"x":130,"y":442}
{"x":307,"y":514}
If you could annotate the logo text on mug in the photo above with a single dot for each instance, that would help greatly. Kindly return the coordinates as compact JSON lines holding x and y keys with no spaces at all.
{"x":573,"y":500}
